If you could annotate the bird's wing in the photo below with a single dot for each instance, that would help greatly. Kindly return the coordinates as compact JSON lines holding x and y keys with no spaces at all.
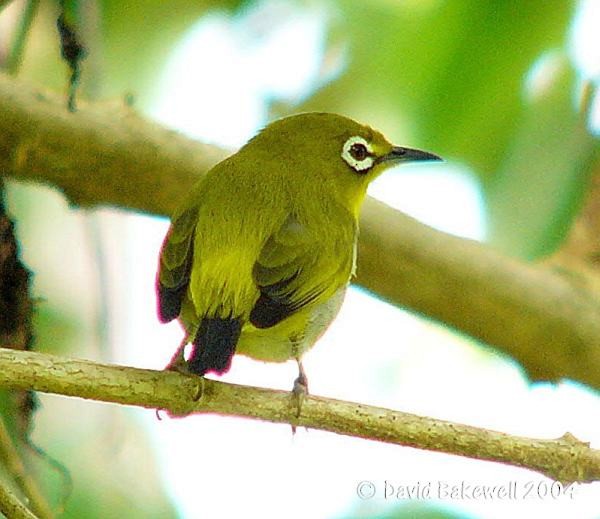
{"x":296,"y":268}
{"x":175,"y":264}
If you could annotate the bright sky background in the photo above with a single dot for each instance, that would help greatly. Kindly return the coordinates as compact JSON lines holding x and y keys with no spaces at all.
{"x":374,"y":353}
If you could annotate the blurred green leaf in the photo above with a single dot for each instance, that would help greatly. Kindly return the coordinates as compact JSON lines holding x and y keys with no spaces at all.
{"x":452,"y":71}
{"x":138,"y":38}
{"x":540,"y":185}
{"x":55,"y":331}
{"x":128,"y":44}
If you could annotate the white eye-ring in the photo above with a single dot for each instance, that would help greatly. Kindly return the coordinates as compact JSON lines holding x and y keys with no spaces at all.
{"x":357,"y":152}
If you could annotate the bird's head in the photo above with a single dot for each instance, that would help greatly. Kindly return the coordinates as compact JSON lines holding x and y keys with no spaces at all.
{"x":332,"y":152}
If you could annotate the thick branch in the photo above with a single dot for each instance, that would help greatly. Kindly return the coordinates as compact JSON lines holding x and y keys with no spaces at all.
{"x":99,"y":156}
{"x":565,"y":459}
{"x":543,"y":318}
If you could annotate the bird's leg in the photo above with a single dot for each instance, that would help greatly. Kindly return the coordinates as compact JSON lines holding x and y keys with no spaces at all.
{"x":300,"y":385}
{"x":299,"y":391}
{"x":178,"y":362}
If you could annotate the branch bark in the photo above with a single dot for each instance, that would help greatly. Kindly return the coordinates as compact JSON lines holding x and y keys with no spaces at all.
{"x":542,"y":317}
{"x":11,"y":507}
{"x":565,"y":459}
{"x":103,"y":154}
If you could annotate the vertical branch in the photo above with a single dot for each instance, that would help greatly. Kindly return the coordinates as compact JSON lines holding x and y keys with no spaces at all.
{"x":16,"y":333}
{"x":71,"y":46}
{"x":14,"y":465}
{"x":15,"y":325}
{"x":15,"y":56}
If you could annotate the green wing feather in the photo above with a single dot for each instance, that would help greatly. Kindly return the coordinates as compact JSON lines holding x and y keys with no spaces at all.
{"x":296,"y":268}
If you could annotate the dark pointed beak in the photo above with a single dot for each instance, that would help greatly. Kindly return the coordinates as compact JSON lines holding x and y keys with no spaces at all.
{"x":399,"y":154}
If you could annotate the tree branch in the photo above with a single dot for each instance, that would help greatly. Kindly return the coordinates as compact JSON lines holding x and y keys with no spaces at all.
{"x":11,"y":507}
{"x":104,"y":154}
{"x":545,"y":319}
{"x":14,"y":465}
{"x":565,"y":459}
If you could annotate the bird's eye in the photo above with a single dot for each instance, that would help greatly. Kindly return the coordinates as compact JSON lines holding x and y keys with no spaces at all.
{"x":358,"y":154}
{"x":359,"y":151}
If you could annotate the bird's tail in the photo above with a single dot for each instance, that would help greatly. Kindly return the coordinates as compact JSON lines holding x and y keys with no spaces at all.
{"x":214,"y":345}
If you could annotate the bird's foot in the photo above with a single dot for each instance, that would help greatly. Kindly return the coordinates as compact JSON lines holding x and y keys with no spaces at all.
{"x":179,"y":364}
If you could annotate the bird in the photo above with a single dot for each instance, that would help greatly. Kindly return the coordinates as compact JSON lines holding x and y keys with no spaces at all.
{"x":260,"y":252}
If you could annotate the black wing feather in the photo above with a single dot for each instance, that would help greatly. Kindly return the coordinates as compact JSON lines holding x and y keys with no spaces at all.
{"x":175,"y":267}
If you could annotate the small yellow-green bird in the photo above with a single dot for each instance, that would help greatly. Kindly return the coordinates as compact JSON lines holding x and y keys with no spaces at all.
{"x":259,"y":255}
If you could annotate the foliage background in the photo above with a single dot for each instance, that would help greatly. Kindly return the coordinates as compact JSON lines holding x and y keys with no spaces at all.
{"x":494,"y":87}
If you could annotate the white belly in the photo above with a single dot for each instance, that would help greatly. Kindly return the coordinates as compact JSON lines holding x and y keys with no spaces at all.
{"x":293,"y":336}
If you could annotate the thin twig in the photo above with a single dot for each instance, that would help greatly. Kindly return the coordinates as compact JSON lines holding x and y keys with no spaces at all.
{"x":11,"y":507}
{"x":589,"y":90}
{"x":565,"y":459}
{"x":17,"y":470}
